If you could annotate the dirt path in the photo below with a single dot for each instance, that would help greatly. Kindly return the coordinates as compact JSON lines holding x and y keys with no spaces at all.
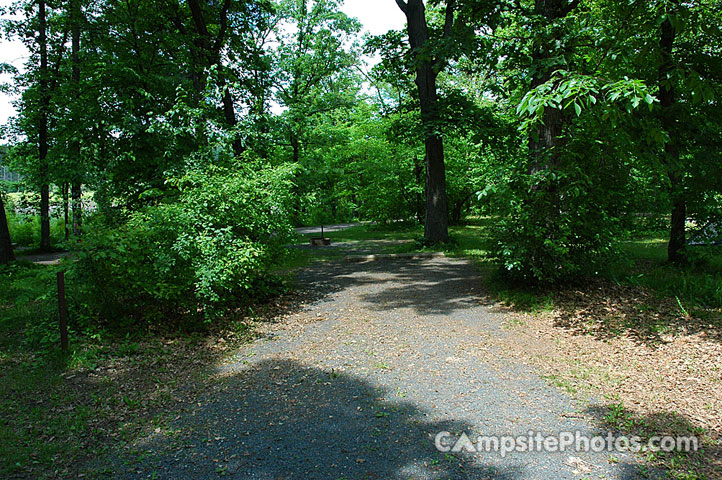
{"x":356,"y":385}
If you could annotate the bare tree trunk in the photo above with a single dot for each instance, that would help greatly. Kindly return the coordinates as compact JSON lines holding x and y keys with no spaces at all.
{"x":677,"y":233}
{"x":210,"y":47}
{"x":6,"y":246}
{"x":66,"y":210}
{"x":77,"y":193}
{"x":43,"y":130}
{"x":436,"y":224}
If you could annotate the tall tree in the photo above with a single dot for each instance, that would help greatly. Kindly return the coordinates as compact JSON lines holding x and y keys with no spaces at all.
{"x":311,"y":63}
{"x":436,"y":225}
{"x":6,"y":246}
{"x":667,"y":101}
{"x":76,"y":185}
{"x":44,"y":76}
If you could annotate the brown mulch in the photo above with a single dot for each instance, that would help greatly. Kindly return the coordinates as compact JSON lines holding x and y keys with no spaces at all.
{"x":628,"y":346}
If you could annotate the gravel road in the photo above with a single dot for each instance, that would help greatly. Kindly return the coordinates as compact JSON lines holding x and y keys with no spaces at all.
{"x":358,"y":382}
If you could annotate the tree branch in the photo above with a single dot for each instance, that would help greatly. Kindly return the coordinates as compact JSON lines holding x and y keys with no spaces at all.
{"x":403,"y":6}
{"x":224,"y":26}
{"x":449,"y":19}
{"x":570,"y":6}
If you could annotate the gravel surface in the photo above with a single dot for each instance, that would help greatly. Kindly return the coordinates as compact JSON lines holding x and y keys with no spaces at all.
{"x":326,"y":228}
{"x":358,"y":381}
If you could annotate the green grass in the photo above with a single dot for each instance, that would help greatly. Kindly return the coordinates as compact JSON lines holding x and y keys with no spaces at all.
{"x":391,"y":231}
{"x":698,"y":284}
{"x":53,"y":415}
{"x":32,"y":392}
{"x":25,"y":230}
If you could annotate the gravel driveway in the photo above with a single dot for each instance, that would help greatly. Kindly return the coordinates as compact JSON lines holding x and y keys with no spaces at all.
{"x":357,"y":383}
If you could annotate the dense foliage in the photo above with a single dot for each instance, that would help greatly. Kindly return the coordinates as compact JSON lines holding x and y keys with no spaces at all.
{"x":211,"y":247}
{"x":203,"y":131}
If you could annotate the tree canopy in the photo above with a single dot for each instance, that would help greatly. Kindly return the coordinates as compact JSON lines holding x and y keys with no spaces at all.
{"x":564,"y":120}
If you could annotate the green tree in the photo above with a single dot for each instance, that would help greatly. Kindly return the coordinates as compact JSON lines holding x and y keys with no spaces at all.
{"x":428,"y":66}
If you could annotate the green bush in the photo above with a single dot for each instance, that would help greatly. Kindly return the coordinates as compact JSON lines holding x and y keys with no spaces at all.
{"x":208,"y":249}
{"x":558,"y":225}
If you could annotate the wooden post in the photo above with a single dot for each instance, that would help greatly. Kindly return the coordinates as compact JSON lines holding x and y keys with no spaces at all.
{"x":63,"y":311}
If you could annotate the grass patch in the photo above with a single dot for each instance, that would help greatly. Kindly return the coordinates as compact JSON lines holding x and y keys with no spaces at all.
{"x":58,"y":411}
{"x":698,"y":284}
{"x":25,"y":230}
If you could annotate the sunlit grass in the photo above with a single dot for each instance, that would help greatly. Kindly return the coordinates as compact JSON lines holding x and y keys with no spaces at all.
{"x":699,"y":283}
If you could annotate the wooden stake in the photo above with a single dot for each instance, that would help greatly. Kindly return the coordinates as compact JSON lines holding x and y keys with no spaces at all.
{"x":63,"y":312}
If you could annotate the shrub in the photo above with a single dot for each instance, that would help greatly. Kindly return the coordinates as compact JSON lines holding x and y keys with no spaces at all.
{"x":560,"y":224}
{"x":210,"y":248}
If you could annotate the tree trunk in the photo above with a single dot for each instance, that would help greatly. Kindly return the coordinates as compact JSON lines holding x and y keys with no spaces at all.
{"x":76,"y":17}
{"x":546,"y":140}
{"x":6,"y":246}
{"x":436,"y":225}
{"x":543,"y":145}
{"x":677,"y":233}
{"x":45,"y":218}
{"x":77,"y":194}
{"x":210,"y":52}
{"x":43,"y":130}
{"x":458,"y":209}
{"x":66,"y":210}
{"x":229,"y":113}
{"x":295,"y":147}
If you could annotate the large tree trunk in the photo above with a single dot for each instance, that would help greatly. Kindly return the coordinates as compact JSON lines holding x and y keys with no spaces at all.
{"x":210,"y":51}
{"x":436,"y":225}
{"x":6,"y":246}
{"x":76,"y":17}
{"x":677,"y":233}
{"x":43,"y":130}
{"x":77,"y":194}
{"x":546,"y":140}
{"x":66,"y":210}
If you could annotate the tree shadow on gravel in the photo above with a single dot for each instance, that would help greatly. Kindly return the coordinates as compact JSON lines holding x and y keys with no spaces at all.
{"x":279,"y":419}
{"x":439,"y":287}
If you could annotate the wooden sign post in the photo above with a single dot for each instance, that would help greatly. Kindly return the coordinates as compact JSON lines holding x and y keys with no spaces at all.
{"x":63,"y":311}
